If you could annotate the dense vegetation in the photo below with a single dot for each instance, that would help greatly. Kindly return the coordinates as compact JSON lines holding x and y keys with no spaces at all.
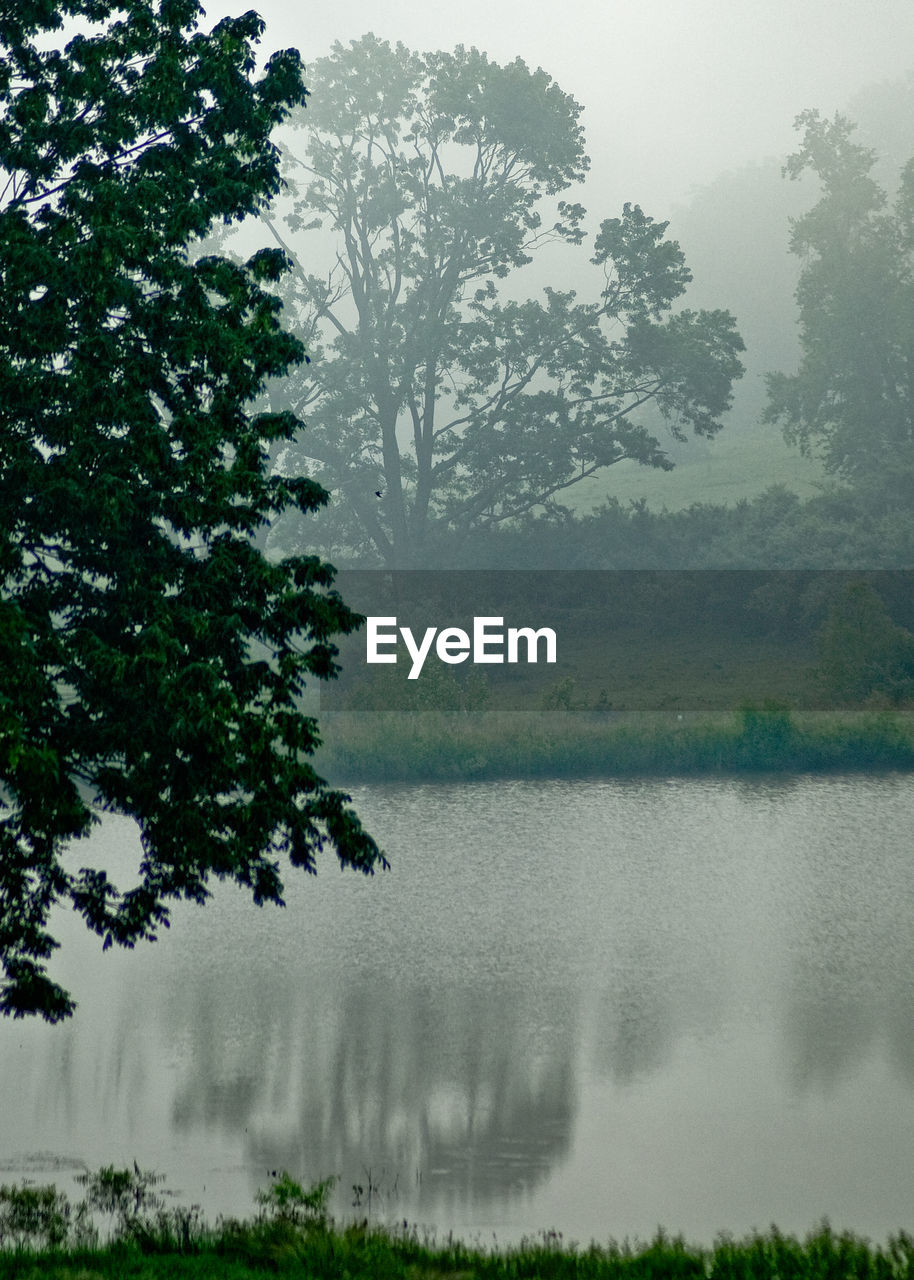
{"x":842,"y":528}
{"x":293,"y":1235}
{"x":151,"y":656}
{"x":654,"y":673}
{"x":438,"y":746}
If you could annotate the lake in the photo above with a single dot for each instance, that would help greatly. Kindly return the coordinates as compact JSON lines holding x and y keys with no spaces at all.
{"x":594,"y":1007}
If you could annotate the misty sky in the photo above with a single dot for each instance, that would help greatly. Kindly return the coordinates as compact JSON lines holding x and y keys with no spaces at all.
{"x":674,"y":90}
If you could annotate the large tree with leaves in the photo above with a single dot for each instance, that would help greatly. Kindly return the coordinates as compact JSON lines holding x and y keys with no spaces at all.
{"x":151,"y":659}
{"x":435,"y":405}
{"x":852,"y":397}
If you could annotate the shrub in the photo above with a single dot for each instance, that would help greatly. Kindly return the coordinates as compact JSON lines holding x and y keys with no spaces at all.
{"x":33,"y":1217}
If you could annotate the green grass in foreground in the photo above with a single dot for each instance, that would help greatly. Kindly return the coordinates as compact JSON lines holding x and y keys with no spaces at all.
{"x":293,"y":1236}
{"x":358,"y":1253}
{"x":439,"y":746}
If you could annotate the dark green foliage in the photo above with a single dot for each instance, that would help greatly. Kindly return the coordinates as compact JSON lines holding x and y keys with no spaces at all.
{"x":327,"y":1251}
{"x":34,"y":1217}
{"x":862,"y":652}
{"x":134,"y":1212}
{"x":121,"y":1193}
{"x":433,"y":173}
{"x":149,"y":655}
{"x":768,"y":733}
{"x":287,"y":1201}
{"x":824,"y":1255}
{"x":430,"y":746}
{"x":851,"y":397}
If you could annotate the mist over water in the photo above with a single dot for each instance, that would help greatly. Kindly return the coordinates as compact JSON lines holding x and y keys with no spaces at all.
{"x":589,"y":1006}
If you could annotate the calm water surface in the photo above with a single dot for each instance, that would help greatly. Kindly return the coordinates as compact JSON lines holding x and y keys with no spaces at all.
{"x":594,"y":1007}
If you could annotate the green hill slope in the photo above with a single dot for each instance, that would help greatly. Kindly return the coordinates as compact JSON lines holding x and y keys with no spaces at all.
{"x":721,"y":472}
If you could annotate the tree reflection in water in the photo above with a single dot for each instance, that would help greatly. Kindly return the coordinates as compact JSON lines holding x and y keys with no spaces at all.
{"x":704,"y":968}
{"x":439,"y":1096}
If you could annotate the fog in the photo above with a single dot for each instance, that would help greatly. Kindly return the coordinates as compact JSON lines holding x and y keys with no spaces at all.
{"x":597,"y":1002}
{"x":689,"y":111}
{"x":674,"y":91}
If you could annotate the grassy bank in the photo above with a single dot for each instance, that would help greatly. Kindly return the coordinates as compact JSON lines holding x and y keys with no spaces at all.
{"x":438,"y":746}
{"x":361,"y":1254}
{"x":42,"y":1235}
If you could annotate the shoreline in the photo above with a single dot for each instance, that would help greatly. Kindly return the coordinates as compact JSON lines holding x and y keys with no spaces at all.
{"x":288,"y":1242}
{"x":436,"y":746}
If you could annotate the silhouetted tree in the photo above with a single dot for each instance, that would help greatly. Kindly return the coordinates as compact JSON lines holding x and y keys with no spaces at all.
{"x":434,"y":406}
{"x":151,"y":659}
{"x":851,"y":399}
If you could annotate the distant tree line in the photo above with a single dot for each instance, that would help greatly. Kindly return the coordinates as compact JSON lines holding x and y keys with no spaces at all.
{"x":839,"y":529}
{"x":451,"y":426}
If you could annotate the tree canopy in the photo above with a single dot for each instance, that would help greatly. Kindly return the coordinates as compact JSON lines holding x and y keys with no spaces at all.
{"x":851,"y":397}
{"x":152,"y":660}
{"x":436,"y":404}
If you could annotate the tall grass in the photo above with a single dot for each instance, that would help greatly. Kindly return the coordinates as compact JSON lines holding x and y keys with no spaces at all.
{"x":440,"y":746}
{"x":293,"y":1235}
